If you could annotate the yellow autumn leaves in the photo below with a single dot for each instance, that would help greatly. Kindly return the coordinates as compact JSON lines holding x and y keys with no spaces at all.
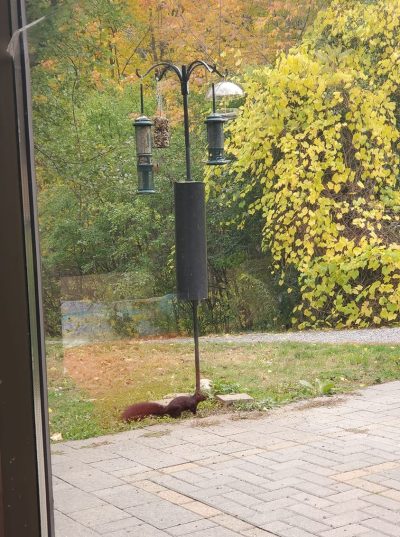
{"x":316,"y":150}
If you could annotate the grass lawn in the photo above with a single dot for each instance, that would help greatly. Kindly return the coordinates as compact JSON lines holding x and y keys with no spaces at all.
{"x":91,"y":384}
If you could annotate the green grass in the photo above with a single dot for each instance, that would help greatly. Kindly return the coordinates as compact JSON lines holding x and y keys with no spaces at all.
{"x":274,"y":374}
{"x":71,"y":413}
{"x":275,"y":371}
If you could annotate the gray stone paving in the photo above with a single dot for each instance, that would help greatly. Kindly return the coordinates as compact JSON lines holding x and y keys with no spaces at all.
{"x":328,"y":468}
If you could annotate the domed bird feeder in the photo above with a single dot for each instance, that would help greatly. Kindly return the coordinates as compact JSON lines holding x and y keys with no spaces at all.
{"x":215,"y":122}
{"x":215,"y":138}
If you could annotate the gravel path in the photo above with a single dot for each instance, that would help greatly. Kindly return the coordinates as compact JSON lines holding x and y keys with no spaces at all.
{"x":368,"y":336}
{"x":389,"y":336}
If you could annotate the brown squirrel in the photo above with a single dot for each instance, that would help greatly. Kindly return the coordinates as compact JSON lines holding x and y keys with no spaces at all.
{"x":140,"y":411}
{"x":174,"y":409}
{"x":184,"y":402}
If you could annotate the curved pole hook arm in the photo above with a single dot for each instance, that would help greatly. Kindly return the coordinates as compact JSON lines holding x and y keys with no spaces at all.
{"x":167,"y":67}
{"x":201,"y":63}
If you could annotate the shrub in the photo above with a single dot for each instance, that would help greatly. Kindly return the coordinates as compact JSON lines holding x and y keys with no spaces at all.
{"x":317,"y":154}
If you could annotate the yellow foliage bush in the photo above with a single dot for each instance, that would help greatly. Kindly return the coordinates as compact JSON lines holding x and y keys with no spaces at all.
{"x":316,"y":150}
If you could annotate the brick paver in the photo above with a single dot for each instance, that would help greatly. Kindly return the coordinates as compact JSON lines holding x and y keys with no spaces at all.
{"x":326,"y":469}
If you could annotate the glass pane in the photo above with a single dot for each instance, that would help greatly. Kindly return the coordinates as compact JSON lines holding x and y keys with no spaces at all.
{"x":108,"y":254}
{"x":298,"y":236}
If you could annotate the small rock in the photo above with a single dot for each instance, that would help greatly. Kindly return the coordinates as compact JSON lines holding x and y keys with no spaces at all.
{"x":234,"y":398}
{"x":206,"y":384}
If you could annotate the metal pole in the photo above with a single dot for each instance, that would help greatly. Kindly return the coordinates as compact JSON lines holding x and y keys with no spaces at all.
{"x":184,"y":76}
{"x":195,"y":304}
{"x":185,"y":93}
{"x":213,"y":98}
{"x":141,"y":99}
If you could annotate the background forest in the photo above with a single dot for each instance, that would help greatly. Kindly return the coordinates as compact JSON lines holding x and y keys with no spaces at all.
{"x":303,"y":227}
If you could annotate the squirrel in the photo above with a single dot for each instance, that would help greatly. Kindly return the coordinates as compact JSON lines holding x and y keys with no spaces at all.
{"x":184,"y":402}
{"x":140,"y":411}
{"x":174,"y":409}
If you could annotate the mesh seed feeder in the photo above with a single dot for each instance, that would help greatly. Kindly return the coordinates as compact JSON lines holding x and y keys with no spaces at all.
{"x":161,"y":133}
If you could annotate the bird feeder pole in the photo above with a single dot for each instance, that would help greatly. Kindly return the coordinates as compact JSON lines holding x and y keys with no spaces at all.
{"x":190,"y":220}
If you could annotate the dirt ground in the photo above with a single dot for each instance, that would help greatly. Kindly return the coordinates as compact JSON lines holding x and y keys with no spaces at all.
{"x":104,"y":368}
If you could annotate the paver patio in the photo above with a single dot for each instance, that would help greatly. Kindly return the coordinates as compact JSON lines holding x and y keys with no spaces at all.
{"x":328,"y":467}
